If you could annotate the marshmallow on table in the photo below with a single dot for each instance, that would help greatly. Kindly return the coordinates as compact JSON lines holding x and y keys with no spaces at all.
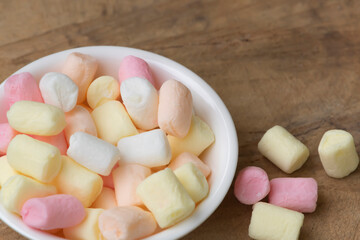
{"x":189,"y":157}
{"x":7,"y":133}
{"x":52,"y":212}
{"x":102,"y":89}
{"x":164,"y":195}
{"x":199,"y":137}
{"x":123,"y":223}
{"x":81,"y":68}
{"x":113,"y":122}
{"x":298,"y":194}
{"x":175,"y":108}
{"x":126,"y":179}
{"x":141,"y":101}
{"x":58,"y":141}
{"x":36,"y":118}
{"x":150,"y":149}
{"x":251,"y":185}
{"x":88,"y":229}
{"x":270,"y":222}
{"x":106,"y":199}
{"x":6,"y":171}
{"x":18,"y":189}
{"x":59,"y":90}
{"x":78,"y":181}
{"x":338,"y":154}
{"x":34,"y":158}
{"x":283,"y":149}
{"x":93,"y":153}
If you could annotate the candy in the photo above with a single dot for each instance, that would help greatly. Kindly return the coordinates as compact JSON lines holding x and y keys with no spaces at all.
{"x":175,"y":108}
{"x":101,"y":90}
{"x":78,"y":181}
{"x":126,"y":179}
{"x":150,"y":149}
{"x":58,"y":141}
{"x":141,"y":101}
{"x":18,"y":189}
{"x":81,"y":68}
{"x":59,"y":90}
{"x":193,"y":181}
{"x":123,"y":223}
{"x":166,"y":198}
{"x":7,"y":133}
{"x":36,"y":118}
{"x":338,"y":154}
{"x":283,"y":149}
{"x":108,"y":180}
{"x":113,"y":122}
{"x":88,"y":229}
{"x":251,"y":185}
{"x":53,"y":212}
{"x":132,"y":66}
{"x":189,"y":157}
{"x":93,"y":153}
{"x":34,"y":158}
{"x":6,"y":171}
{"x":198,"y":139}
{"x":106,"y":199}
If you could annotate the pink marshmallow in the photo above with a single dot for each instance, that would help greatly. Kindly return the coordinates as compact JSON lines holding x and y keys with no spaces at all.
{"x":251,"y":185}
{"x":132,"y":66}
{"x":299,"y":194}
{"x":189,"y":157}
{"x":108,"y":181}
{"x":7,"y":133}
{"x":52,"y":212}
{"x":58,"y":141}
{"x":106,"y":199}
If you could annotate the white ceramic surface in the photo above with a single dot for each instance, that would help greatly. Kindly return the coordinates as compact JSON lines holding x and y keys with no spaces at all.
{"x":222,"y":156}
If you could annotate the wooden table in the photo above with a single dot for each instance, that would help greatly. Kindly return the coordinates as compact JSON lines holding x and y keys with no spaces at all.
{"x":292,"y":63}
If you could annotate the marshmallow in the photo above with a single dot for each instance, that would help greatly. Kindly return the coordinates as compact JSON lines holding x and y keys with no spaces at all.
{"x":6,"y":171}
{"x":283,"y":149}
{"x":106,"y":199}
{"x":108,"y":180}
{"x":126,"y":179}
{"x":88,"y":229}
{"x":132,"y":66}
{"x":251,"y":185}
{"x":298,"y":194}
{"x":175,"y":108}
{"x":34,"y":158}
{"x":141,"y":101}
{"x":113,"y":122}
{"x":274,"y":223}
{"x":81,"y":68}
{"x":150,"y":149}
{"x":58,"y":141}
{"x":101,"y":90}
{"x":189,"y":157}
{"x":59,"y":90}
{"x":338,"y":154}
{"x":36,"y":118}
{"x":78,"y":181}
{"x":200,"y":137}
{"x":193,"y":181}
{"x":86,"y":107}
{"x":123,"y":223}
{"x":6,"y":135}
{"x":166,"y":198}
{"x":53,"y":212}
{"x":93,"y":153}
{"x":18,"y":189}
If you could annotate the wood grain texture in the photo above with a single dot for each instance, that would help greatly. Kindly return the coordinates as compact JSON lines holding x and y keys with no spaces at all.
{"x":291,"y":63}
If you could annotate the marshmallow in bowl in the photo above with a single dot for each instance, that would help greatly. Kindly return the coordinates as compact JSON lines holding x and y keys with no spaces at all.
{"x":106,"y":199}
{"x":6,"y":171}
{"x":189,"y":157}
{"x":101,"y":90}
{"x":58,"y":141}
{"x":7,"y":133}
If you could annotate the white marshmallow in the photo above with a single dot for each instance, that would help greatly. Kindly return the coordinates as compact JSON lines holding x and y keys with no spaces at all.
{"x":93,"y":153}
{"x":141,"y":101}
{"x":59,"y":90}
{"x":150,"y":149}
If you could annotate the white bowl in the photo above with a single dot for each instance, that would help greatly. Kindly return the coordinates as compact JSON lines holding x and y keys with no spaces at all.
{"x":222,"y":156}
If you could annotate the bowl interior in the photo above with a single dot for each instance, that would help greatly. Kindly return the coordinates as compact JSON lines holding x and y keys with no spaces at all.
{"x":221,"y":156}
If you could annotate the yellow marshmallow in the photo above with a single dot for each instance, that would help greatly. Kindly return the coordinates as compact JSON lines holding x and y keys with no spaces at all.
{"x":199,"y":137}
{"x":18,"y":189}
{"x":36,"y":118}
{"x":34,"y":158}
{"x":78,"y":181}
{"x":88,"y":229}
{"x":113,"y":122}
{"x":6,"y":171}
{"x":102,"y":89}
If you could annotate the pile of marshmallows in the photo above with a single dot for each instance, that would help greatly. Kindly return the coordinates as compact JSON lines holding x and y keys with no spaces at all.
{"x":101,"y":170}
{"x":282,"y":218}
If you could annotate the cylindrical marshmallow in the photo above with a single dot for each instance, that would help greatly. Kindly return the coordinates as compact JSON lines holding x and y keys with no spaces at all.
{"x":189,"y":157}
{"x":53,"y":212}
{"x":93,"y":153}
{"x":58,"y":141}
{"x":108,"y":180}
{"x":106,"y":199}
{"x":102,"y":89}
{"x":132,"y":66}
{"x":59,"y":90}
{"x":7,"y":133}
{"x":123,"y":223}
{"x":150,"y":149}
{"x":6,"y":171}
